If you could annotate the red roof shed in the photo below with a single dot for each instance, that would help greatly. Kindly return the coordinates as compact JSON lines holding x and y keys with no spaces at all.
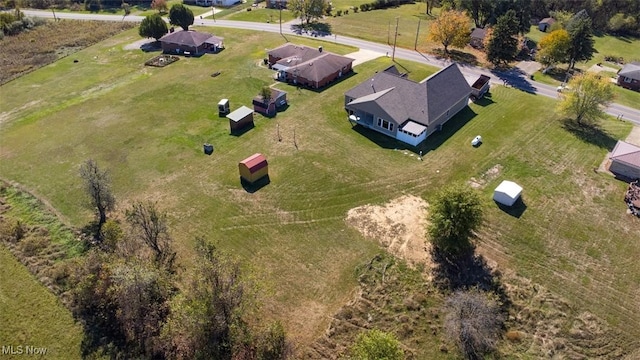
{"x":253,"y":168}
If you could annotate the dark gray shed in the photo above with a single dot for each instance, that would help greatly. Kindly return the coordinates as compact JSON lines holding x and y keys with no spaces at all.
{"x":240,"y":120}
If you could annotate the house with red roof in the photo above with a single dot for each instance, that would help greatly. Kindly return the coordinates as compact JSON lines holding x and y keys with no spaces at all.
{"x":305,"y":66}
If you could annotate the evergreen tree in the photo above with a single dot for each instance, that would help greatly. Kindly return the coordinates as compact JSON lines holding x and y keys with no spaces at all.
{"x":503,"y":45}
{"x":581,"y":35}
{"x":153,"y":26}
{"x":181,"y":16}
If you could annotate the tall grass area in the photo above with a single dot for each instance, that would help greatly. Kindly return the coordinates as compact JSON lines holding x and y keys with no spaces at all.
{"x":147,"y":126}
{"x":32,"y":316}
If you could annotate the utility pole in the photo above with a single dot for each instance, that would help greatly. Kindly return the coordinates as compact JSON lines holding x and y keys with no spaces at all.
{"x":415,"y":46}
{"x":388,"y":33}
{"x":280,"y":7}
{"x":213,"y":12}
{"x":393,"y":56}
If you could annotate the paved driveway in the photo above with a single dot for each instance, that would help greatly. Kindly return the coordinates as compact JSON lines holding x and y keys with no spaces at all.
{"x":363,"y":56}
{"x":529,"y":67}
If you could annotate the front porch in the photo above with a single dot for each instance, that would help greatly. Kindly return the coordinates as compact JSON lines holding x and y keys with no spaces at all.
{"x":361,"y":118}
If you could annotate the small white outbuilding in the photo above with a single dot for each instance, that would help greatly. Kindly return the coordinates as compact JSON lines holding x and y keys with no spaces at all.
{"x":507,"y":193}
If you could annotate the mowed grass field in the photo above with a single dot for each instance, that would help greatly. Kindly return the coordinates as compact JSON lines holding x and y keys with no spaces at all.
{"x":147,"y":126}
{"x":380,"y":26}
{"x":32,"y":316}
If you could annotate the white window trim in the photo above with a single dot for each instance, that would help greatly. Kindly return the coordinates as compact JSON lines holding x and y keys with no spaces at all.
{"x":381,"y":122}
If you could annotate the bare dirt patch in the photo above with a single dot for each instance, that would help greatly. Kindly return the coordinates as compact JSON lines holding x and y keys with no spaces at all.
{"x":488,"y":176}
{"x":399,"y":226}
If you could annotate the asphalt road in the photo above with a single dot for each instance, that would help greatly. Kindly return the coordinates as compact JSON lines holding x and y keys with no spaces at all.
{"x":513,"y":78}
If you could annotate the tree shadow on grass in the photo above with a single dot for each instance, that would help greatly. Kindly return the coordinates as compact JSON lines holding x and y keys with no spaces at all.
{"x":314,"y":29}
{"x":151,"y":46}
{"x":592,"y":133}
{"x":466,"y":271}
{"x":457,"y":56}
{"x":515,"y":78}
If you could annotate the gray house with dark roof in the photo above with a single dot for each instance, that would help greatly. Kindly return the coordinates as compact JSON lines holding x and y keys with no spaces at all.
{"x":404,"y":109}
{"x":629,"y":76}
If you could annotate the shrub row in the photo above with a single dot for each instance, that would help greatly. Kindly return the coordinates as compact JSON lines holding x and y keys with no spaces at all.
{"x":383,"y":4}
{"x":12,"y":23}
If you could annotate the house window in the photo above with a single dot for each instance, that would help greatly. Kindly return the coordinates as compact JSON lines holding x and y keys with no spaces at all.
{"x":627,"y":79}
{"x":385,"y":124}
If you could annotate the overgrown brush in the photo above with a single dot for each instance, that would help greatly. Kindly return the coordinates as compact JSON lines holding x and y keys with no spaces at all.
{"x":40,"y":46}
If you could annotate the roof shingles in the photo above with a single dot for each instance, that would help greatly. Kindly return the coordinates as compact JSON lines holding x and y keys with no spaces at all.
{"x":405,"y":99}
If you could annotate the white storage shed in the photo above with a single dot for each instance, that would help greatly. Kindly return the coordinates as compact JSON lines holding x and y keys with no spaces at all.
{"x":507,"y":193}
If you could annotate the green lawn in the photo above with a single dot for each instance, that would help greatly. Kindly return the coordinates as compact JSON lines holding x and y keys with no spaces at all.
{"x":147,"y":126}
{"x":605,"y":45}
{"x":413,"y":24}
{"x":379,"y":25}
{"x":32,"y":316}
{"x":348,"y":4}
{"x":261,"y":14}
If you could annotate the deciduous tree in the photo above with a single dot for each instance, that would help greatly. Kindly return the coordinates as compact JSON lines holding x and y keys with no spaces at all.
{"x":376,"y":344}
{"x":307,"y":10}
{"x":554,"y":48}
{"x":480,"y":11}
{"x":451,"y":28}
{"x":585,"y":97}
{"x":153,"y":26}
{"x":454,"y":216}
{"x":123,"y":305}
{"x":181,"y":15}
{"x":97,"y":185}
{"x":150,"y":226}
{"x":160,"y":6}
{"x":473,"y":322}
{"x":265,"y":92}
{"x":205,"y":322}
{"x":316,"y":9}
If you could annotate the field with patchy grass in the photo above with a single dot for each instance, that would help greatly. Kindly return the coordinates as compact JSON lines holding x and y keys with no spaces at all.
{"x":32,"y":316}
{"x":147,"y":126}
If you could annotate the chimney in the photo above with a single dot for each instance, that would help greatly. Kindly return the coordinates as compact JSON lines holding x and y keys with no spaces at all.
{"x":320,"y":48}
